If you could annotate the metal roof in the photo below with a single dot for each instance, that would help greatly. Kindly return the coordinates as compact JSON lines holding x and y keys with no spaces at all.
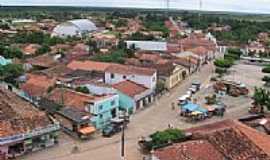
{"x":148,"y":45}
{"x":84,"y":24}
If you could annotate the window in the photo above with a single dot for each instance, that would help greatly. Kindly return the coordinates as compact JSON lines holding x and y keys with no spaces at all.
{"x":112,"y":103}
{"x":124,"y":76}
{"x":100,"y":107}
{"x":112,"y":76}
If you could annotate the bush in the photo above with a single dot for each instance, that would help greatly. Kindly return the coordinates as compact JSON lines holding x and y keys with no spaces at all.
{"x":165,"y":137}
{"x":10,"y":72}
{"x":224,"y":63}
{"x":235,"y":51}
{"x":83,"y":90}
{"x":266,"y":69}
{"x":43,"y":49}
{"x":115,"y":57}
{"x":8,"y":52}
{"x":231,"y":56}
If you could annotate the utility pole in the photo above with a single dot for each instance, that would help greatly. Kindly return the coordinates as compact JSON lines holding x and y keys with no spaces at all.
{"x":125,"y":120}
{"x":123,"y":143}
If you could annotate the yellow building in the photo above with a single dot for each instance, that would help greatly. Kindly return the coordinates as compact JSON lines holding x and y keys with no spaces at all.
{"x":176,"y":76}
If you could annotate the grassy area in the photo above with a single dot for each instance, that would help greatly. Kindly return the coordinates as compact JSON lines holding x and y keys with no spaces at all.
{"x":116,"y":56}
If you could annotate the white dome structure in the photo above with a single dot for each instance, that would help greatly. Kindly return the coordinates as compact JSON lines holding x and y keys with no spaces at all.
{"x":76,"y":27}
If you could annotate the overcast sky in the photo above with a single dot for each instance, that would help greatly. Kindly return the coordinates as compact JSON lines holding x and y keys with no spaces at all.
{"x":255,"y":6}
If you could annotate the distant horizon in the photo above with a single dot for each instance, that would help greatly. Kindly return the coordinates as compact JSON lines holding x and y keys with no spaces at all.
{"x":239,"y":6}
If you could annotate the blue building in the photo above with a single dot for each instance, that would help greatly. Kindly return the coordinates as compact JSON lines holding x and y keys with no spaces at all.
{"x":101,"y":108}
{"x":133,"y":96}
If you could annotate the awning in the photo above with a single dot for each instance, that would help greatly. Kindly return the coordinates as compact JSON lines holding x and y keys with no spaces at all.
{"x":87,"y":130}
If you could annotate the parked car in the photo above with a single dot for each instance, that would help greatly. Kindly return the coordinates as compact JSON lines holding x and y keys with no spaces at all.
{"x":193,"y":90}
{"x":115,"y":126}
{"x":197,"y":85}
{"x":111,"y":130}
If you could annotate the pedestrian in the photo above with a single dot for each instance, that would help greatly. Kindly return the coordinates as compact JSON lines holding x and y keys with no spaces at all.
{"x":173,"y":106}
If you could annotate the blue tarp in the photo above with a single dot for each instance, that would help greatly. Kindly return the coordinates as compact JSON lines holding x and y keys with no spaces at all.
{"x":193,"y":107}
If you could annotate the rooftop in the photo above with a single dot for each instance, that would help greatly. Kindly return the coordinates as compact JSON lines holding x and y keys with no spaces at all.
{"x":148,"y":45}
{"x":129,"y":70}
{"x":74,"y":99}
{"x":191,"y":150}
{"x":45,"y":60}
{"x":17,"y":116}
{"x":227,"y":139}
{"x":130,"y":88}
{"x":37,"y":85}
{"x":74,"y":115}
{"x":88,"y":65}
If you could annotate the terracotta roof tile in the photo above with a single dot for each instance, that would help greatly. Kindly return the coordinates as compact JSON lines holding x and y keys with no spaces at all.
{"x":45,"y":60}
{"x":130,"y":88}
{"x":228,"y":139}
{"x":73,"y":99}
{"x":191,"y":150}
{"x":17,"y":116}
{"x":200,"y":51}
{"x":88,"y":65}
{"x":37,"y":85}
{"x":129,"y":70}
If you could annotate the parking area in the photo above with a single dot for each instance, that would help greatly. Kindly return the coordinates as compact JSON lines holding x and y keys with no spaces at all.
{"x":250,"y":75}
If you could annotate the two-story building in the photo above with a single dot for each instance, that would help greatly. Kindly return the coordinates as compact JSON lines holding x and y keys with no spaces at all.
{"x":145,"y":76}
{"x":102,"y":108}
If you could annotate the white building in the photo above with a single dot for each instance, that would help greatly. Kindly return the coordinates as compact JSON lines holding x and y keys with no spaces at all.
{"x":144,"y":76}
{"x":148,"y":45}
{"x":77,"y":27}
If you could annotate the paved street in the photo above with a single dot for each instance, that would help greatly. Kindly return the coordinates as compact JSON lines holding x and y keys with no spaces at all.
{"x":147,"y":121}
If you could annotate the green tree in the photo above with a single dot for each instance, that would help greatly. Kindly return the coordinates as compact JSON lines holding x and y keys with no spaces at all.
{"x":266,"y":69}
{"x":223,"y":63}
{"x":162,"y":138}
{"x":261,"y":98}
{"x":43,"y":49}
{"x":10,"y":72}
{"x":83,"y":89}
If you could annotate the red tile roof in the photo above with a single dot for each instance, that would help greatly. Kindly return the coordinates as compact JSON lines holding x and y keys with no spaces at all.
{"x":231,"y":132}
{"x":129,"y":70}
{"x":88,"y":65}
{"x":191,"y":150}
{"x":228,"y":139}
{"x":130,"y":88}
{"x":72,"y":98}
{"x":37,"y":85}
{"x":45,"y":60}
{"x":17,"y":116}
{"x":189,"y":43}
{"x":200,"y":51}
